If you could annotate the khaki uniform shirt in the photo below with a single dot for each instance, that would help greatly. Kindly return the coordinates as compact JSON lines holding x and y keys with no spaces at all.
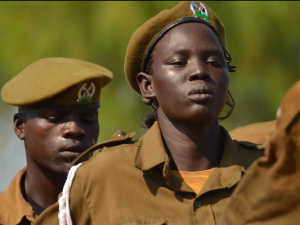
{"x":14,"y":209}
{"x":131,"y":184}
{"x":269,"y":194}
{"x":255,"y":132}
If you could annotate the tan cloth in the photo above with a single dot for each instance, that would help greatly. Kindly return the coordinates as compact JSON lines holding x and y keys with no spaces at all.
{"x":14,"y":209}
{"x":195,"y":179}
{"x":131,"y":184}
{"x":59,"y":80}
{"x":269,"y":193}
{"x":255,"y":132}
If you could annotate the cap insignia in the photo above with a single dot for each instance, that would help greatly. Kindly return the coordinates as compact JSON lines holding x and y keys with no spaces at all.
{"x":87,"y":92}
{"x":200,"y":11}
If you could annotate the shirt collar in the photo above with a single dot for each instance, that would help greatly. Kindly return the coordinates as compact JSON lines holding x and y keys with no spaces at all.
{"x":151,"y":152}
{"x":230,"y":170}
{"x":13,"y":206}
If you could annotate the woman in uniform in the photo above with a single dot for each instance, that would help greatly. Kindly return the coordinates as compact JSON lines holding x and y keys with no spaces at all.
{"x":185,"y":167}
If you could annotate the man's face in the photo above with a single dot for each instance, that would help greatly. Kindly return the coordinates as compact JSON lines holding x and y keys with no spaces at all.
{"x":54,"y":137}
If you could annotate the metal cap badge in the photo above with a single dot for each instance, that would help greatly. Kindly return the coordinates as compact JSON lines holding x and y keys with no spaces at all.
{"x":202,"y":11}
{"x":88,"y":92}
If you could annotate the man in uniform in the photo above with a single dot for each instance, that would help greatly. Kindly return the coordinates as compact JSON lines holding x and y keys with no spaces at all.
{"x":58,"y":101}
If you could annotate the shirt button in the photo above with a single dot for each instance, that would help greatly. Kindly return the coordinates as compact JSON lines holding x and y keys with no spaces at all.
{"x":198,"y":203}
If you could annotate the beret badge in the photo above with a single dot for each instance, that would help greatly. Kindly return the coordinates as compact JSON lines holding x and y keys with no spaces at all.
{"x":88,"y":92}
{"x":200,"y":11}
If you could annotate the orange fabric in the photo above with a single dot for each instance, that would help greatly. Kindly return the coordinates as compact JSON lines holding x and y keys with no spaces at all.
{"x":195,"y":180}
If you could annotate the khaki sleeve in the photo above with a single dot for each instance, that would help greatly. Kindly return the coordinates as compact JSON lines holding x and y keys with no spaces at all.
{"x":269,"y":193}
{"x":79,"y":205}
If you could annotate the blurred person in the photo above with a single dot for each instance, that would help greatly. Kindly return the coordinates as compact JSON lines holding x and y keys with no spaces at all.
{"x":185,"y":167}
{"x":58,"y":101}
{"x":254,"y":132}
{"x":269,"y":192}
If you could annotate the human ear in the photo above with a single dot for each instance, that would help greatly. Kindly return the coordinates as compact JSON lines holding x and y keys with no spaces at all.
{"x":144,"y":81}
{"x":19,"y":125}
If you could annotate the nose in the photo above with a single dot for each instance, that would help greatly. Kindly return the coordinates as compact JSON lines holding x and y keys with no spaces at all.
{"x":199,"y":72}
{"x":72,"y":129}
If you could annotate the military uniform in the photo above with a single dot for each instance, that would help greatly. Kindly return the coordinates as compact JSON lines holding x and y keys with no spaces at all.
{"x":14,"y":209}
{"x":269,"y":192}
{"x":255,"y":132}
{"x":130,"y":183}
{"x":50,"y":82}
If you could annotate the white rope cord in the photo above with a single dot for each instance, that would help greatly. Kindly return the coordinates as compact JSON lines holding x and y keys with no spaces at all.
{"x":64,"y":215}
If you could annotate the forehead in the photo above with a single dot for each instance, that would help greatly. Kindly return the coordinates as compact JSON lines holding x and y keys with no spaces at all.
{"x":187,"y":34}
{"x":36,"y":110}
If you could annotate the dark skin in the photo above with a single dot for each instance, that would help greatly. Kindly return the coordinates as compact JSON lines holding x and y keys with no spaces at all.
{"x":53,"y":138}
{"x":190,"y":83}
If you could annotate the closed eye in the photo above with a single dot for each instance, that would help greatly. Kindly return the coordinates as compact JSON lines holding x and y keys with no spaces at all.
{"x":178,"y":63}
{"x":89,"y":118}
{"x":54,"y":119}
{"x":214,"y":63}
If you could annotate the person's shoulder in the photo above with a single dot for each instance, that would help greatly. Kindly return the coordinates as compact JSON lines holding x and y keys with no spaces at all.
{"x":115,"y":156}
{"x":120,"y":141}
{"x":255,"y":132}
{"x":120,"y":145}
{"x":250,"y":148}
{"x":116,"y":149}
{"x":249,"y":152}
{"x":15,"y":183}
{"x":12,"y":199}
{"x":244,"y":145}
{"x":250,"y":145}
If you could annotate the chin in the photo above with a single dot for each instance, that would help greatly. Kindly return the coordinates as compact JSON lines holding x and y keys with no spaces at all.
{"x":201,"y":119}
{"x":64,"y":169}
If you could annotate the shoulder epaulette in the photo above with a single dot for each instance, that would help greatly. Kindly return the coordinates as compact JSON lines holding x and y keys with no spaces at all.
{"x":119,"y":137}
{"x":248,"y":144}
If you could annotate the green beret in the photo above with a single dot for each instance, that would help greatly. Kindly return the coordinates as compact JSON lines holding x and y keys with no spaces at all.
{"x":145,"y":37}
{"x":57,"y":80}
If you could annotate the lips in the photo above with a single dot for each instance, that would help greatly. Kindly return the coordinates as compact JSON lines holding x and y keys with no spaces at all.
{"x":200,"y":93}
{"x":72,"y":151}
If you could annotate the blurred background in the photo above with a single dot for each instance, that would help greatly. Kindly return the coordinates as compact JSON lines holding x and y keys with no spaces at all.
{"x":263,"y":38}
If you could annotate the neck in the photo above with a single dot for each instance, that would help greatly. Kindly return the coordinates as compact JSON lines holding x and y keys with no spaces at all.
{"x":42,"y":186}
{"x":192,"y":148}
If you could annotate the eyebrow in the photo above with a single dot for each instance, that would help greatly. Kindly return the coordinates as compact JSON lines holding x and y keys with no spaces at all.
{"x":214,"y":50}
{"x":181,"y":51}
{"x":207,"y":50}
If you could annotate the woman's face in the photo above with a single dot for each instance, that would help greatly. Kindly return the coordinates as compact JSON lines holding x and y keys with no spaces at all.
{"x":190,"y":76}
